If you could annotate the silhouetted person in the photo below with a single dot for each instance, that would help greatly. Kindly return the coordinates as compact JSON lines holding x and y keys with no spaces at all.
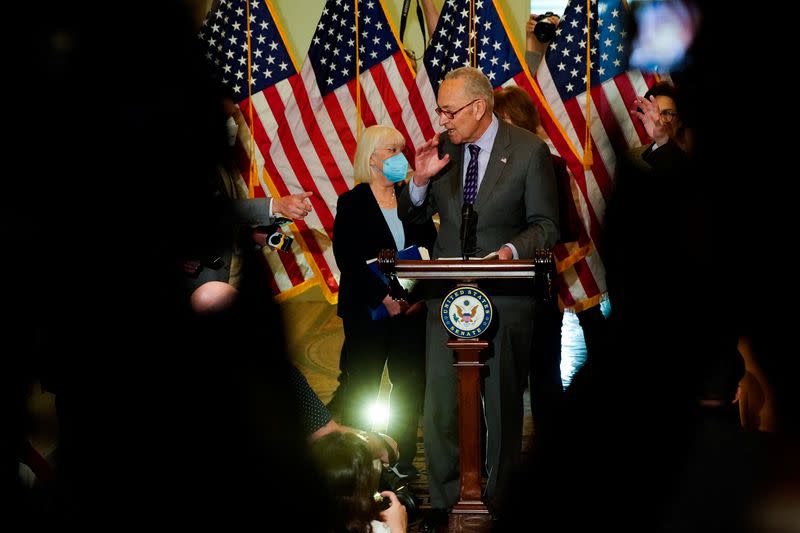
{"x":162,"y":414}
{"x":685,"y":262}
{"x":726,"y":466}
{"x":350,"y":474}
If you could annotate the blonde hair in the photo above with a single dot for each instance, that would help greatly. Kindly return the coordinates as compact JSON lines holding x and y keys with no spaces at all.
{"x":476,"y":84}
{"x":370,"y":139}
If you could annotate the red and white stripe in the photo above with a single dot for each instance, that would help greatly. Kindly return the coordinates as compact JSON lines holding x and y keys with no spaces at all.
{"x":613,"y":131}
{"x":292,"y":272}
{"x":582,"y":282}
{"x":315,"y":139}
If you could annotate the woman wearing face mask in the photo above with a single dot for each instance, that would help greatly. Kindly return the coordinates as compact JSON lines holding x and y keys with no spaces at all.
{"x":367,"y":222}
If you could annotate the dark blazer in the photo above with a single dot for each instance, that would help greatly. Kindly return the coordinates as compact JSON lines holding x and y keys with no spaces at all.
{"x":234,"y":218}
{"x":569,"y":222}
{"x":650,"y":227}
{"x":359,"y":232}
{"x":517,"y":200}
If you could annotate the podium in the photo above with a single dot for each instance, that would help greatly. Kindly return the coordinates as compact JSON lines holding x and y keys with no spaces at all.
{"x":466,"y":324}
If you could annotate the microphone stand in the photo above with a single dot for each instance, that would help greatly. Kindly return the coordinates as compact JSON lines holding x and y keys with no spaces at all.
{"x":466,"y":221}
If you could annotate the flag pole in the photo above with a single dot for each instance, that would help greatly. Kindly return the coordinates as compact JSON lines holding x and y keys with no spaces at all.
{"x":253,"y":171}
{"x":473,"y":37}
{"x":587,"y":146}
{"x":358,"y":80}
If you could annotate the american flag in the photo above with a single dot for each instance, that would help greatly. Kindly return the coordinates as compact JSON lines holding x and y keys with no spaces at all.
{"x":458,"y":35}
{"x":561,"y":80}
{"x":473,"y":32}
{"x":317,"y":131}
{"x":272,"y":77}
{"x":482,"y":39}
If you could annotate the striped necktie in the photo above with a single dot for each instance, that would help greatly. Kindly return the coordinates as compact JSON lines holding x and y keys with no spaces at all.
{"x":471,"y":183}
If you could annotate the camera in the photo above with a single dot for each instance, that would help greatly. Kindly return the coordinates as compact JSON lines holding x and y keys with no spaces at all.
{"x":391,"y":481}
{"x":544,"y":30}
{"x":280,"y":241}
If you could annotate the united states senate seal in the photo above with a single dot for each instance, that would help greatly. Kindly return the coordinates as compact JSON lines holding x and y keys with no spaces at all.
{"x":466,"y":312}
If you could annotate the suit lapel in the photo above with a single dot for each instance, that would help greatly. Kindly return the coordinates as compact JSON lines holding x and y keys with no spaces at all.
{"x":501,"y":150}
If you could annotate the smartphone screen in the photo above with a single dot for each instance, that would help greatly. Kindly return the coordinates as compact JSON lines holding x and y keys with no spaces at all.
{"x":664,"y":31}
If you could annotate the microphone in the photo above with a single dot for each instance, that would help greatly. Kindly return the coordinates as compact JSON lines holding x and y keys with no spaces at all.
{"x":467,"y":214}
{"x":443,"y":138}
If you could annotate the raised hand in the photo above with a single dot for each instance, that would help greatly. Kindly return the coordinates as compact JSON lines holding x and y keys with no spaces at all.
{"x":649,"y":113}
{"x":293,"y":206}
{"x":427,"y":162}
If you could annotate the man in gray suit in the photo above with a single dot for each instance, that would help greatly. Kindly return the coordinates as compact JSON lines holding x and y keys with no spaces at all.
{"x":506,"y":174}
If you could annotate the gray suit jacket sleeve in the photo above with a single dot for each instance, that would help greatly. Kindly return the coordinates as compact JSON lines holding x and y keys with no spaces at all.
{"x":250,"y":212}
{"x":410,"y":213}
{"x":541,"y":203}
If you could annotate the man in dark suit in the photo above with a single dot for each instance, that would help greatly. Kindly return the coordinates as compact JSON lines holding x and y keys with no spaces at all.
{"x":506,"y":174}
{"x":242,"y":221}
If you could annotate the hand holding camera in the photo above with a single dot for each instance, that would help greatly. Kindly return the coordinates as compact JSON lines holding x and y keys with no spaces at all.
{"x":280,"y":241}
{"x":272,"y":236}
{"x":393,"y":512}
{"x":543,"y":27}
{"x":399,"y":494}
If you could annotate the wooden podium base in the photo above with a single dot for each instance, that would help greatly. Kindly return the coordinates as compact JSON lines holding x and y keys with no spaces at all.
{"x":470,"y":514}
{"x":469,"y":517}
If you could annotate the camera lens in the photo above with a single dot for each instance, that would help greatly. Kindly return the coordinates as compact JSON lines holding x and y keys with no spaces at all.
{"x":544,"y":30}
{"x":391,"y":481}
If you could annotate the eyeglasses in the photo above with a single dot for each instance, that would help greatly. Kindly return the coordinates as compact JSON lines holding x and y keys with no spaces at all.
{"x":667,"y":115}
{"x":450,"y":115}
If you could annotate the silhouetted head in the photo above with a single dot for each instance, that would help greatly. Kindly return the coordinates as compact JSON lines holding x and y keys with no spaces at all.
{"x":515,"y":106}
{"x":213,"y":297}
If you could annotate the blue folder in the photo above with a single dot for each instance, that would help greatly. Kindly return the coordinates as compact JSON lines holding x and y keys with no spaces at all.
{"x":406,"y":254}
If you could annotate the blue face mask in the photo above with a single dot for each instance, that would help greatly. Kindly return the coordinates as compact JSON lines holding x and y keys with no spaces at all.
{"x":395,"y":168}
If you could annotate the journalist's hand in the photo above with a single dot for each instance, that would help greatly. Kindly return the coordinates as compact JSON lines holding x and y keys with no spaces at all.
{"x":292,"y":206}
{"x":532,"y":44}
{"x":396,"y":516}
{"x":260,"y":237}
